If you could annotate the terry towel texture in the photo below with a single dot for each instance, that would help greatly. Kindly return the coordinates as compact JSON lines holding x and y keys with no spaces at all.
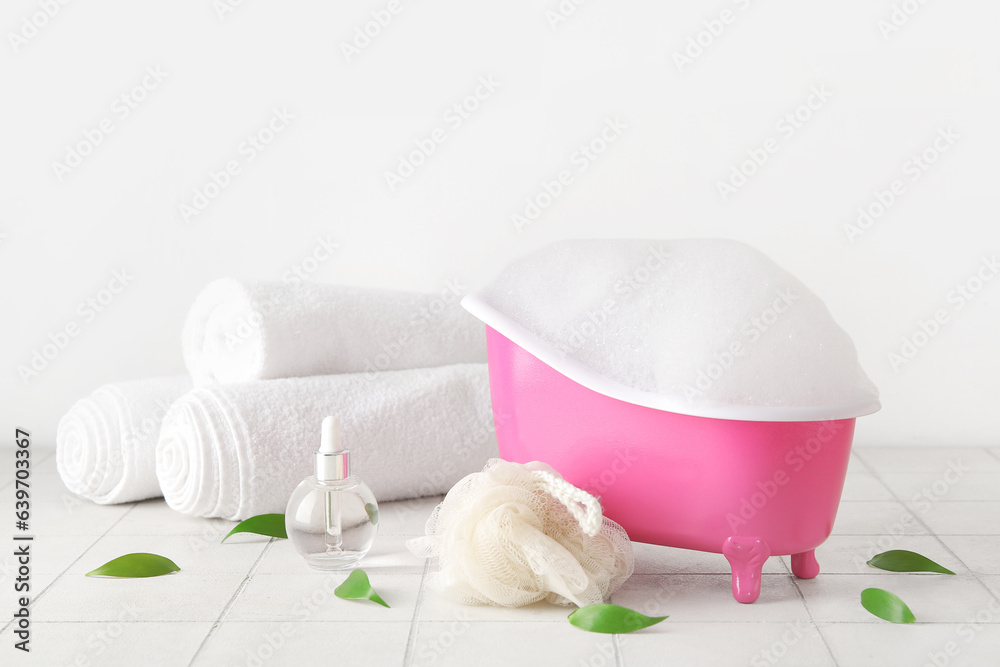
{"x":240,"y":331}
{"x":106,"y":443}
{"x":238,"y":450}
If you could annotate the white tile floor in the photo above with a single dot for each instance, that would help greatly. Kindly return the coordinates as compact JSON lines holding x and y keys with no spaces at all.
{"x":254,"y":602}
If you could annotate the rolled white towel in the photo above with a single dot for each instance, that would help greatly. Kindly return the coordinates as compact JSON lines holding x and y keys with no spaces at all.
{"x":240,"y":331}
{"x":238,"y":450}
{"x":106,"y":443}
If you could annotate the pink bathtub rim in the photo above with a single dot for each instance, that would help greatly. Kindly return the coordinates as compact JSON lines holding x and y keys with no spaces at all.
{"x":744,"y":488}
{"x":573,"y":369}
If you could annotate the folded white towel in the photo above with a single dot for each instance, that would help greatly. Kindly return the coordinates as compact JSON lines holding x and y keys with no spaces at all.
{"x":239,"y":331}
{"x":106,"y":443}
{"x":238,"y":450}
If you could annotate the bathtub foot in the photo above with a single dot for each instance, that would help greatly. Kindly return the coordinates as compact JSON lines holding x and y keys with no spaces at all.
{"x":746,"y":556}
{"x":804,"y":565}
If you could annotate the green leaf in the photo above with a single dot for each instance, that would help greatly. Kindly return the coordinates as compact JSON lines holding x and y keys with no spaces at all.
{"x":356,"y":587}
{"x":135,"y":565}
{"x":372,"y":512}
{"x":611,"y":619}
{"x":900,"y":560}
{"x":886,"y":606}
{"x":271,"y":525}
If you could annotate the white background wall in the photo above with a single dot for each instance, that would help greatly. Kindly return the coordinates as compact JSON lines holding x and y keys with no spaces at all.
{"x":687,"y":125}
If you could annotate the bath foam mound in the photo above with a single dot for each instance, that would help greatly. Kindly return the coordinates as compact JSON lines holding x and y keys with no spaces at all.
{"x":705,"y":327}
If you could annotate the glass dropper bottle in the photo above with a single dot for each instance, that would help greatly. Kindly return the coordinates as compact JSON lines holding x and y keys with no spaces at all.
{"x":332,"y":516}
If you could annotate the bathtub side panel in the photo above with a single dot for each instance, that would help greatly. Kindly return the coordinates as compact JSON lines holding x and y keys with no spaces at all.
{"x":667,"y":478}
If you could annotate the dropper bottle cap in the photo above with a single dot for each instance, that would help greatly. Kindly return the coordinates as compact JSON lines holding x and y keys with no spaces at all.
{"x":332,"y":462}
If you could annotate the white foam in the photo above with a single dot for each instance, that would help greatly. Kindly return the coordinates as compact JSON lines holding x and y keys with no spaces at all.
{"x":708,"y":327}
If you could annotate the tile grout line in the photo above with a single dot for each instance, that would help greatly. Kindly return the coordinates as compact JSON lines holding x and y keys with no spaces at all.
{"x":552,"y":623}
{"x":75,"y":561}
{"x":409,"y":655}
{"x":934,"y":534}
{"x":868,"y":467}
{"x":40,"y":461}
{"x":916,"y":515}
{"x":788,"y":570}
{"x":975,"y":574}
{"x":805,"y":605}
{"x":411,"y":637}
{"x":239,"y":589}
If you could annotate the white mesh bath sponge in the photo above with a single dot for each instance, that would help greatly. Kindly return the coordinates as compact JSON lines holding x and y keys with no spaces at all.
{"x":515,"y":534}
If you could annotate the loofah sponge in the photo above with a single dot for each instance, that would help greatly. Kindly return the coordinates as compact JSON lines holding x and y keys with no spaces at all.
{"x":515,"y":534}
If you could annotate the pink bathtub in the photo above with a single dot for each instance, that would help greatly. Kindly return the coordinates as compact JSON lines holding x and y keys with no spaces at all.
{"x":745,"y":489}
